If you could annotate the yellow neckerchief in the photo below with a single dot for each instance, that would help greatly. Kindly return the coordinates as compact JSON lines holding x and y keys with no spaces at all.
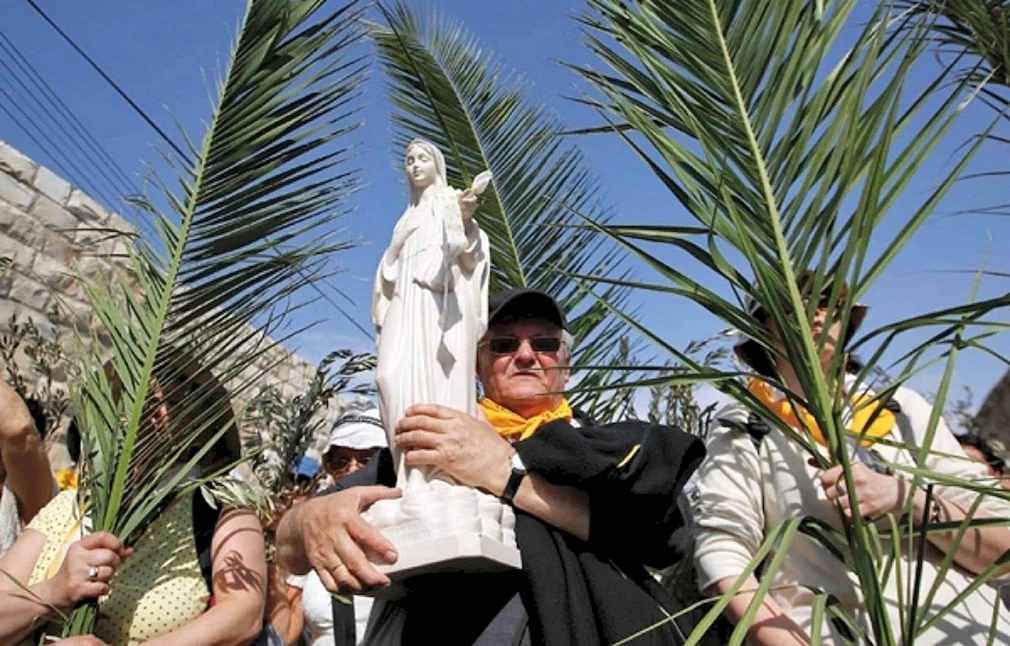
{"x":880,"y":427}
{"x":513,"y":426}
{"x":66,"y":478}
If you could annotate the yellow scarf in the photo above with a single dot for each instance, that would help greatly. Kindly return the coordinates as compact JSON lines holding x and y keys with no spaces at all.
{"x":67,"y":478}
{"x":513,"y":426}
{"x":861,"y":415}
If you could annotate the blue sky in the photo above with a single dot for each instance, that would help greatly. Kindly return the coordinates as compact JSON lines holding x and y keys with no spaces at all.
{"x":158,"y":50}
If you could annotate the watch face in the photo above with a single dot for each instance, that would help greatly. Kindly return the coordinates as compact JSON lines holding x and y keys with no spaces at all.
{"x":517,"y":462}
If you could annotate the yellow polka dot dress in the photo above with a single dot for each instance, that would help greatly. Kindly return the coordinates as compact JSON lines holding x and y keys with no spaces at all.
{"x":158,"y":589}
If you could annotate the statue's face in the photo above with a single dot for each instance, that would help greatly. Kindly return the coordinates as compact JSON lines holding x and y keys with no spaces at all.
{"x":420,"y":167}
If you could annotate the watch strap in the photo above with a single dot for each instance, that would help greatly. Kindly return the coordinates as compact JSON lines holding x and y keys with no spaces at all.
{"x":512,"y":486}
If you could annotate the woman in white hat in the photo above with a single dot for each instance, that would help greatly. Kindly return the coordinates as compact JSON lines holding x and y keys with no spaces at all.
{"x":753,"y":479}
{"x":356,"y":436}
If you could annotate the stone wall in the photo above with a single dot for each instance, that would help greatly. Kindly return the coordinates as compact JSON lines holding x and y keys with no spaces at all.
{"x":993,"y":416}
{"x":53,"y":232}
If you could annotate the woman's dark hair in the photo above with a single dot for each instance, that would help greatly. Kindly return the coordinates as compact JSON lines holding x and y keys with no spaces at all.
{"x":980,"y":443}
{"x":74,"y":441}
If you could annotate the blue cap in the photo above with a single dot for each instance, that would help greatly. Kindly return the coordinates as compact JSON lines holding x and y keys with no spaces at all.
{"x":307,"y":467}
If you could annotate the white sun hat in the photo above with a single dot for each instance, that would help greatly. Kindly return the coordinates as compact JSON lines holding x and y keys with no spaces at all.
{"x":358,"y":427}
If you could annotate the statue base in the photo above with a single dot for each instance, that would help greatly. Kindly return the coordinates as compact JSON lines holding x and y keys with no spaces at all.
{"x":469,"y":552}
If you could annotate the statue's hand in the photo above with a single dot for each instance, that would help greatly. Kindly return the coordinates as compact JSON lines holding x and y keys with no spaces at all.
{"x":466,"y":448}
{"x":468,"y":203}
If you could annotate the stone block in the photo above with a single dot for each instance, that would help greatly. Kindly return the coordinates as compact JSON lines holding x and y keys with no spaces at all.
{"x":9,"y":308}
{"x":61,"y":248}
{"x":31,"y":292}
{"x":5,"y":283}
{"x":26,"y":230}
{"x":86,"y":209}
{"x":56,"y":274}
{"x":99,"y":242}
{"x":76,"y":314}
{"x":54,"y":216}
{"x":8,"y":214}
{"x":15,"y":164}
{"x":52,"y":185}
{"x":12,"y":191}
{"x":21,"y":255}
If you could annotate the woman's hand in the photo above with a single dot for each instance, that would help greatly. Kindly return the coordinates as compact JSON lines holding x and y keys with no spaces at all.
{"x":84,"y":640}
{"x":878,"y":494}
{"x":87,"y":570}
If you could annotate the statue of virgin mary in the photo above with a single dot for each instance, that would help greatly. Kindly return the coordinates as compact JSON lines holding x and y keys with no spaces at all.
{"x":429,"y":307}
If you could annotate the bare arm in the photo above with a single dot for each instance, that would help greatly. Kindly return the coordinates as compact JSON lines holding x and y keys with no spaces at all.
{"x":563,"y":507}
{"x":239,"y":582}
{"x":22,"y":611}
{"x":771,"y":626}
{"x":881,"y":494}
{"x":24,"y":457}
{"x":284,"y":606}
{"x":980,"y":547}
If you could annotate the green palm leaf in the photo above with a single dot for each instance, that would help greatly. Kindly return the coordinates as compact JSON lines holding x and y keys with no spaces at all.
{"x":789,"y":159}
{"x":445,"y":87}
{"x":244,"y":229}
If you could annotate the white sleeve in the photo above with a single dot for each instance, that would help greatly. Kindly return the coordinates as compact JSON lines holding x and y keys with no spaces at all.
{"x":296,"y":580}
{"x":729,"y":509}
{"x":917,"y":410}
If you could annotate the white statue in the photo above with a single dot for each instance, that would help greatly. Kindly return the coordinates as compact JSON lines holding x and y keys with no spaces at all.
{"x":429,"y":306}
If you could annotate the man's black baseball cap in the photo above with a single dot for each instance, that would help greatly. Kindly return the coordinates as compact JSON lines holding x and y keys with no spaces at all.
{"x":520,"y":302}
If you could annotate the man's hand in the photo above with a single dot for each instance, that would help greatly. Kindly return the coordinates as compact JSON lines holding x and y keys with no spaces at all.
{"x":468,"y":449}
{"x":336,"y":539}
{"x":878,"y":494}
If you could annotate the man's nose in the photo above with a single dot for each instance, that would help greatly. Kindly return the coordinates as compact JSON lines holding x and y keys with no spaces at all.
{"x":525,"y":352}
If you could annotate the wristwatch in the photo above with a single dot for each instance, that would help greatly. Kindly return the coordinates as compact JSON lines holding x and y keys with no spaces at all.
{"x":515,"y":479}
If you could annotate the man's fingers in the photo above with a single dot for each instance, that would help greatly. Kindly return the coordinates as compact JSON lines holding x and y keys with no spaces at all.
{"x":431,"y":410}
{"x":372,"y":540}
{"x":417,"y":440}
{"x":327,"y":580}
{"x":420,"y":423}
{"x":421,"y":458}
{"x":370,"y":494}
{"x":358,"y":567}
{"x":830,"y":476}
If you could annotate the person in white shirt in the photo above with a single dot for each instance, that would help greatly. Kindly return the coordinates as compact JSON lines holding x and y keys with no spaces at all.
{"x":753,"y":479}
{"x":355,"y":438}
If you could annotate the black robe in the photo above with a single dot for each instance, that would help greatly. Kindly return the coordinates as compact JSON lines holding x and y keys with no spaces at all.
{"x":580,"y":593}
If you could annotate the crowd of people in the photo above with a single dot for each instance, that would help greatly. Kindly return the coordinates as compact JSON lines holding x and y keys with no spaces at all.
{"x":599,"y":509}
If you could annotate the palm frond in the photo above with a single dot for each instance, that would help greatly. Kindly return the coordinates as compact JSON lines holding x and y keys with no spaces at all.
{"x":445,"y":87}
{"x":789,"y":159}
{"x":244,"y":227}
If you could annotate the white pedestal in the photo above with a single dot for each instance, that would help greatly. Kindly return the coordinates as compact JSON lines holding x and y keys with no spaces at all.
{"x":470,"y":553}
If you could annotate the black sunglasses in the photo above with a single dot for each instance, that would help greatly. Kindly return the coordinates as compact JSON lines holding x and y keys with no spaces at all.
{"x":510,"y":344}
{"x":338,"y":462}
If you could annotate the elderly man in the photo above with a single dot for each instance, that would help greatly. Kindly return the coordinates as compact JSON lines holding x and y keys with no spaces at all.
{"x":593,"y":503}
